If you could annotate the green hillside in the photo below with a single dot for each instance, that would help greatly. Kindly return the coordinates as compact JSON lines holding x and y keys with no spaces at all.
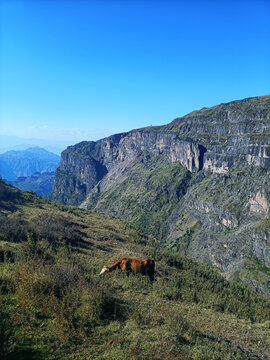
{"x":54,"y":304}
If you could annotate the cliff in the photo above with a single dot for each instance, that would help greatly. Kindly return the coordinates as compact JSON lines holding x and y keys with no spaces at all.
{"x":200,"y":184}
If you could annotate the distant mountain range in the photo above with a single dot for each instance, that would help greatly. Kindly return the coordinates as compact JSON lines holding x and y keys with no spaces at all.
{"x":8,"y":142}
{"x":14,"y":164}
{"x":54,"y":149}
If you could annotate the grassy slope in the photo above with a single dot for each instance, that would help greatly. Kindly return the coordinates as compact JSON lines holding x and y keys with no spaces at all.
{"x":55,"y":306}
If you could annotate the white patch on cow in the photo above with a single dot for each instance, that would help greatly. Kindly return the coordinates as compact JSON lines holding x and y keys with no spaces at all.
{"x":105,"y":268}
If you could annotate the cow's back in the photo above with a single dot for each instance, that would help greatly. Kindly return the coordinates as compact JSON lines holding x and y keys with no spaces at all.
{"x":144,"y":266}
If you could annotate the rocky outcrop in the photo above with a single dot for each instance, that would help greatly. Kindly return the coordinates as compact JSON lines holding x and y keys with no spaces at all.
{"x":90,"y":167}
{"x":200,"y":184}
{"x":214,"y":140}
{"x":239,"y":152}
{"x":235,"y":134}
{"x":232,"y":211}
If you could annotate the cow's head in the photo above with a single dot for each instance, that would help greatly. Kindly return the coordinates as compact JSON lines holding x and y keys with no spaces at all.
{"x":104,"y":269}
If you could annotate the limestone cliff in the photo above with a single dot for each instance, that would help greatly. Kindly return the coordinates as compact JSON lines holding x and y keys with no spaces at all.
{"x":200,"y":184}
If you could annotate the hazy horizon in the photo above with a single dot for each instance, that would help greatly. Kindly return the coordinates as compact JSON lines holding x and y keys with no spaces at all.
{"x":84,"y":70}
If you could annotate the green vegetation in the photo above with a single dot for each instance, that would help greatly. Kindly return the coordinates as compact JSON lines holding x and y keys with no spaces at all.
{"x":222,"y":204}
{"x":54,"y":304}
{"x":264,"y":226}
{"x":147,"y":196}
{"x":256,"y":270}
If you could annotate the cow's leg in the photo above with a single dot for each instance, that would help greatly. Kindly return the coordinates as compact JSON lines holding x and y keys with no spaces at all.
{"x":128,"y":268}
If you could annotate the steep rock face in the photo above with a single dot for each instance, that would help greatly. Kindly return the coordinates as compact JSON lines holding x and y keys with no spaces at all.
{"x":77,"y":174}
{"x":235,"y":134}
{"x":90,"y":167}
{"x":215,"y":140}
{"x":224,"y":220}
{"x":200,"y":184}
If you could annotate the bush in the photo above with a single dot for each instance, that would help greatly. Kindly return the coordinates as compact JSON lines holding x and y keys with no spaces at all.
{"x":56,"y":299}
{"x":13,"y":228}
{"x":202,"y":284}
{"x":56,"y":228}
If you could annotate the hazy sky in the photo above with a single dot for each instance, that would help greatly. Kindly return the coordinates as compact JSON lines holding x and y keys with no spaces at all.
{"x":82,"y":70}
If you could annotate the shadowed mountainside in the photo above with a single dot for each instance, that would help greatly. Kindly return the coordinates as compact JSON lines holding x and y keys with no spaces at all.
{"x":40,"y":183}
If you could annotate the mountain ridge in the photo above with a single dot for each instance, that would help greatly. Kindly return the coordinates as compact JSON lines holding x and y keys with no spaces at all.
{"x":169,"y":181}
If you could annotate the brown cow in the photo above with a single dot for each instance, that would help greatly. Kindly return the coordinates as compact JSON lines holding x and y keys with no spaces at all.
{"x":143,"y":266}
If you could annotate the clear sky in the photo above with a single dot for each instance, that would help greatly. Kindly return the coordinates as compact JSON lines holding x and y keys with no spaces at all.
{"x":82,"y":70}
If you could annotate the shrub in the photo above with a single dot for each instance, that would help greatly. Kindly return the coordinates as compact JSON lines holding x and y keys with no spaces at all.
{"x":13,"y":228}
{"x":57,"y":299}
{"x":56,"y":228}
{"x":202,"y":284}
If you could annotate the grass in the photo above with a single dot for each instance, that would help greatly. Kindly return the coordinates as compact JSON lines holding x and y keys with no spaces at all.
{"x":54,"y":304}
{"x":258,"y":265}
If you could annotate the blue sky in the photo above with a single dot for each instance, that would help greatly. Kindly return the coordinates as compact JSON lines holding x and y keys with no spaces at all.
{"x":82,"y":70}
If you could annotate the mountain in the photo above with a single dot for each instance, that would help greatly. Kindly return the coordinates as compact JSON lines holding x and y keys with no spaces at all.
{"x":54,"y":149}
{"x":199,"y":184}
{"x":40,"y":183}
{"x":54,"y":304}
{"x":9,"y":142}
{"x":26,"y":162}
